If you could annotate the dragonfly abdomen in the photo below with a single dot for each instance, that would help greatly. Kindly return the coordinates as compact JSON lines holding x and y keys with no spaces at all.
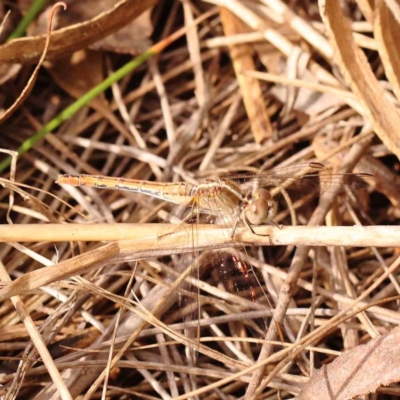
{"x":178,"y":193}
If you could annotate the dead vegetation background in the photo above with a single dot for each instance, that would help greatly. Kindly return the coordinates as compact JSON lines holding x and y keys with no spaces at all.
{"x":216,"y":86}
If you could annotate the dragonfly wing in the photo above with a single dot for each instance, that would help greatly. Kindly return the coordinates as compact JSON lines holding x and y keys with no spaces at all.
{"x":304,"y":178}
{"x":233,"y":270}
{"x":238,"y":277}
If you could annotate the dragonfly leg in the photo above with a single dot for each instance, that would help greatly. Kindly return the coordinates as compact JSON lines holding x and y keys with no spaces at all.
{"x":187,"y":218}
{"x":246,"y":222}
{"x":234,"y":227}
{"x":279,"y":226}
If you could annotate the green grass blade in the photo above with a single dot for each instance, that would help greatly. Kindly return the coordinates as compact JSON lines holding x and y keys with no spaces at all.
{"x":78,"y":104}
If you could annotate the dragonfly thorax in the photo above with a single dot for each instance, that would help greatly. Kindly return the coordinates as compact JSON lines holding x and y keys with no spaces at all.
{"x":261,"y":208}
{"x":218,"y":195}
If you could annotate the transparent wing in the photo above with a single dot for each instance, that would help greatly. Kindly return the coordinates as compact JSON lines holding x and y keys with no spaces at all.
{"x":227,"y":266}
{"x":303,"y":177}
{"x":238,"y":277}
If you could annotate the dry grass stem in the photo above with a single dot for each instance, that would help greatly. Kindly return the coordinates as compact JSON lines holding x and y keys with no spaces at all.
{"x":248,"y":247}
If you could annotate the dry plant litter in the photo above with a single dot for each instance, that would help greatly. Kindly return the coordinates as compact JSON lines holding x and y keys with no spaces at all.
{"x":98,"y":292}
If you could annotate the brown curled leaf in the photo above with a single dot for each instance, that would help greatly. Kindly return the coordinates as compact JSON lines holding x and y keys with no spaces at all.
{"x":72,"y":38}
{"x":25,"y":93}
{"x":358,"y":371}
{"x":387,"y":34}
{"x":131,"y":38}
{"x":357,"y":72}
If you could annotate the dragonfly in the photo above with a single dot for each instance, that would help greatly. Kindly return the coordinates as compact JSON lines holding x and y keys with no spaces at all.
{"x":231,"y":200}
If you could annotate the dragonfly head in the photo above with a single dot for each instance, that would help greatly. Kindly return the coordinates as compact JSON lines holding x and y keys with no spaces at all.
{"x":262,"y":207}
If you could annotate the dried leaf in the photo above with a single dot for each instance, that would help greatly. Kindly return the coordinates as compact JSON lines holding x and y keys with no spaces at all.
{"x":387,"y":34}
{"x":131,"y":39}
{"x":79,"y":73}
{"x":79,"y":36}
{"x":354,"y":66}
{"x":358,"y":371}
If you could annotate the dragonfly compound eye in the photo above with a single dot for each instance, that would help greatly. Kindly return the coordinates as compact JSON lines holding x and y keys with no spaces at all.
{"x":262,"y":208}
